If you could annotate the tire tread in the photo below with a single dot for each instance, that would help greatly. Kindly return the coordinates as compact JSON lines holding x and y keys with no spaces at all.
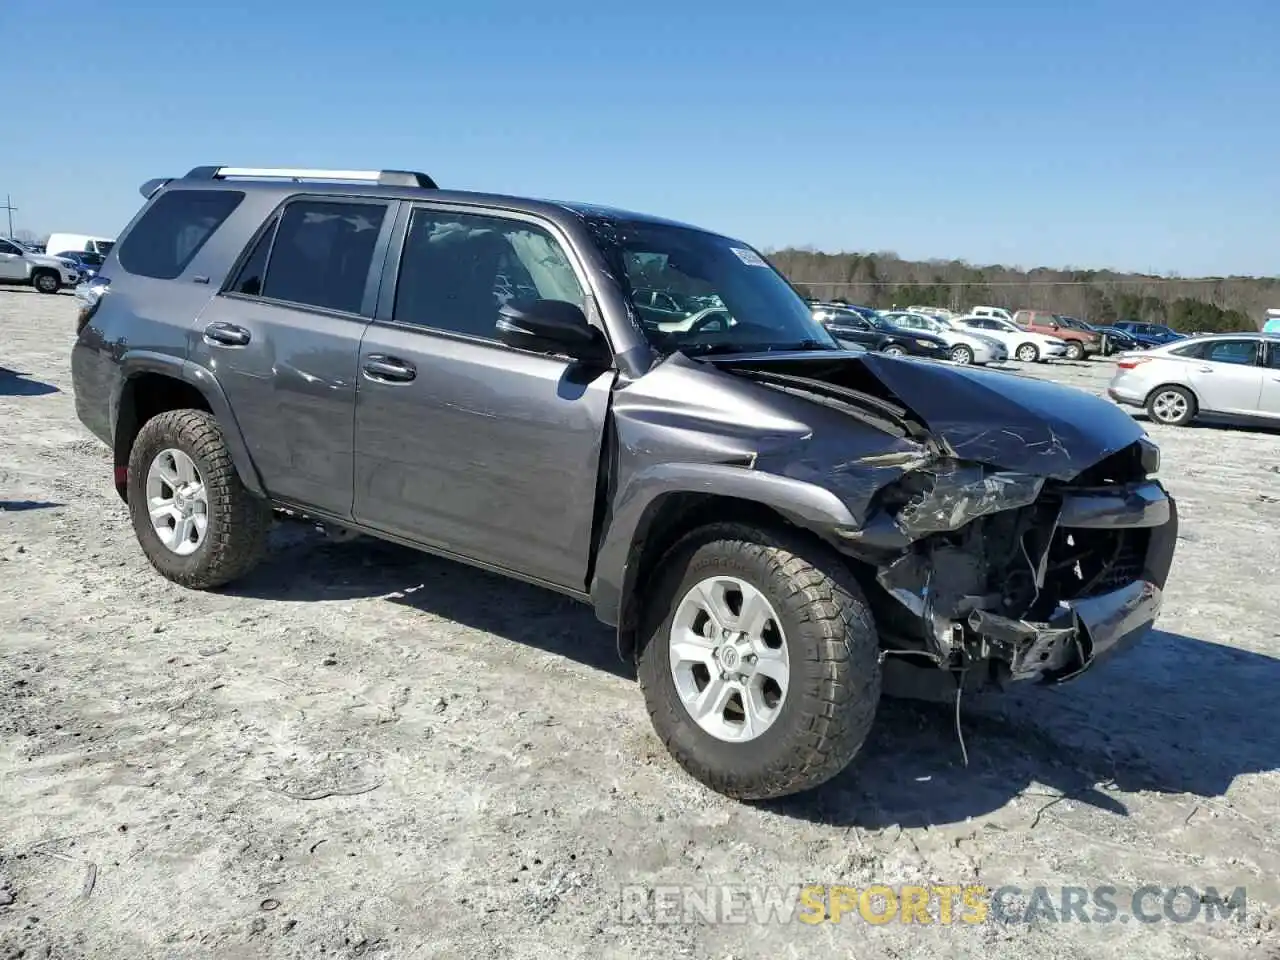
{"x":825,"y":594}
{"x":238,"y":535}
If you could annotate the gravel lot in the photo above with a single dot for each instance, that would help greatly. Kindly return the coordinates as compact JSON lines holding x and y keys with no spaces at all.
{"x":492,"y":779}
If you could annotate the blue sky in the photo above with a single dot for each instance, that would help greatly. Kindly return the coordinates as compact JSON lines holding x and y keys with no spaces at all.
{"x":1129,"y":133}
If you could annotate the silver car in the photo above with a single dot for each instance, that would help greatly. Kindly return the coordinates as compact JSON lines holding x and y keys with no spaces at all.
{"x":47,"y":274}
{"x":1233,"y":376}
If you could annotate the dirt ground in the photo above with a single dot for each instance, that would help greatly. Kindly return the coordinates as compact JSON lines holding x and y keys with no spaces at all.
{"x":364,"y":751}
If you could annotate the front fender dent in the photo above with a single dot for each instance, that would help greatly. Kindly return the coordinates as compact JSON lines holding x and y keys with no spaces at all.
{"x":801,"y":503}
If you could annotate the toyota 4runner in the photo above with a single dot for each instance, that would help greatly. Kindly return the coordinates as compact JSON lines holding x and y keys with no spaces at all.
{"x":774,"y":525}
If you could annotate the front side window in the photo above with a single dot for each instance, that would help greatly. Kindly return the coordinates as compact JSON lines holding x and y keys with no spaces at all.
{"x":729,"y":298}
{"x":9,"y":248}
{"x":322,"y":254}
{"x":458,"y":269}
{"x":1233,"y":351}
{"x":174,"y":228}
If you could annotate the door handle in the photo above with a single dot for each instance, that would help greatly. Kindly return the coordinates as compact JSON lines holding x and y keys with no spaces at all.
{"x":1205,"y":369}
{"x":391,"y":369}
{"x":226,"y":334}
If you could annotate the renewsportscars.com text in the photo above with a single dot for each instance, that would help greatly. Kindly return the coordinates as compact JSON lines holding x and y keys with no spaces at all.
{"x":941,"y":904}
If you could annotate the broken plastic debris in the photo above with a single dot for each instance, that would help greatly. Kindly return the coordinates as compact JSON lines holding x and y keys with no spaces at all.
{"x":963,"y":494}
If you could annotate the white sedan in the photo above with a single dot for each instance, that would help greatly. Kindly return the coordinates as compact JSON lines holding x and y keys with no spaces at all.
{"x":1227,"y":376}
{"x":1022,"y":344}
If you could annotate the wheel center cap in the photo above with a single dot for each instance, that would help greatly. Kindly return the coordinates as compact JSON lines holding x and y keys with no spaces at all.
{"x":729,"y":657}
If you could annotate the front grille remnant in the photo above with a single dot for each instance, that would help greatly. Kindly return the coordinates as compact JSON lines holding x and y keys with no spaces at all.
{"x":1088,"y":563}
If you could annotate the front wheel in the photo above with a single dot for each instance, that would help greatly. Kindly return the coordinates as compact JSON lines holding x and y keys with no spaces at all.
{"x":761,"y":667}
{"x":894,"y":350}
{"x":1028,"y":353}
{"x":1075,"y":351}
{"x":961,"y":354}
{"x":46,"y":281}
{"x":194,"y":519}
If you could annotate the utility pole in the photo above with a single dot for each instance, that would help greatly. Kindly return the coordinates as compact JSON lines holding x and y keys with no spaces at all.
{"x":8,"y":205}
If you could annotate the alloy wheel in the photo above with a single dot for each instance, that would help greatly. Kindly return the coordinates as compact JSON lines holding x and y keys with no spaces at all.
{"x":729,"y":660}
{"x":1169,"y":406}
{"x":177,"y":502}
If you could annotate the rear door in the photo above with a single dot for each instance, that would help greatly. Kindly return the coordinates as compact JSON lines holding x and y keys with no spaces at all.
{"x":283,"y":339}
{"x":464,"y":444}
{"x":1228,"y":376}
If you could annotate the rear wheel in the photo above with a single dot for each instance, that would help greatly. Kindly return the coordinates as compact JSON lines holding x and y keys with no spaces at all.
{"x":761,"y":668}
{"x":46,"y":281}
{"x":1027,"y":352}
{"x":193,"y":518}
{"x":1172,"y":406}
{"x":1075,"y":350}
{"x":961,"y":354}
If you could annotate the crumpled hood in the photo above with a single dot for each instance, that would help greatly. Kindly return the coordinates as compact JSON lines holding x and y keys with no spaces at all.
{"x":1001,"y":419}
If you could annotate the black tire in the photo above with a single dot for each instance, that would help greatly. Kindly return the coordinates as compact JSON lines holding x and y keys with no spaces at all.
{"x":1027,"y":353}
{"x":960,"y":354}
{"x":894,"y":350}
{"x":1170,"y":413}
{"x":1075,"y":350}
{"x":46,"y":281}
{"x":236,"y":537}
{"x":834,"y":688}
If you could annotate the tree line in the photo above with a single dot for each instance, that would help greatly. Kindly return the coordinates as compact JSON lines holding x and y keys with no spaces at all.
{"x":884,"y":280}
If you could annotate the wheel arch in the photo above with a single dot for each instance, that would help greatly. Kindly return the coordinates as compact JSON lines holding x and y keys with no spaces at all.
{"x":152,"y":384}
{"x":675,"y":500}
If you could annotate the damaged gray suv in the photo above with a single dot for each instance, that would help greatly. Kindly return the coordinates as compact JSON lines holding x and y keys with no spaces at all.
{"x":775,"y":525}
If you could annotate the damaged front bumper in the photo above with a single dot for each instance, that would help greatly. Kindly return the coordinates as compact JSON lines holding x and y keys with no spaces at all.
{"x":1087,"y":629}
{"x":1086,"y":581}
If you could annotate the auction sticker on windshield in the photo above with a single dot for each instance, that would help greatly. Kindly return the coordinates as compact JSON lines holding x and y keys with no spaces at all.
{"x":749,"y":257}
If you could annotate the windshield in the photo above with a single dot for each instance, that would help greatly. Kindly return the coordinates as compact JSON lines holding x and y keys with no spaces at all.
{"x":698,"y":293}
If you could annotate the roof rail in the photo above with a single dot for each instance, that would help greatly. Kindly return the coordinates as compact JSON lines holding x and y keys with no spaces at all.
{"x":386,"y":178}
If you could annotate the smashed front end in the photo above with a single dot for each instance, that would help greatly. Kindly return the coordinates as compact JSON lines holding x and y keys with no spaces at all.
{"x":1011,"y":524}
{"x":1040,"y":578}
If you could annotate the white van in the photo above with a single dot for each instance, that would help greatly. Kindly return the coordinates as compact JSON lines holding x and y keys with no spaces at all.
{"x":78,"y":243}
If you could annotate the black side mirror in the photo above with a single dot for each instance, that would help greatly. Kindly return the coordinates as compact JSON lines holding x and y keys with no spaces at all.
{"x":552,"y":326}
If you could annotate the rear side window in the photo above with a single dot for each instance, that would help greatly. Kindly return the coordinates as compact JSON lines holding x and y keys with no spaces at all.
{"x":320,"y":257}
{"x":249,"y":280}
{"x":1194,"y":351}
{"x":1233,"y":351}
{"x":173,"y":230}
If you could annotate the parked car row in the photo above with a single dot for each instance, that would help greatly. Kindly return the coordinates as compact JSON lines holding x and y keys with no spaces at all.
{"x":977,"y":338}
